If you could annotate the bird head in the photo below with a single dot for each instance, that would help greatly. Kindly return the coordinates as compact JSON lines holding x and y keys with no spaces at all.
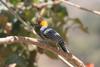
{"x":42,"y":22}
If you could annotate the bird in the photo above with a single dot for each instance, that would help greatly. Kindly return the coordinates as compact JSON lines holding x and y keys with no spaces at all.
{"x":46,"y":32}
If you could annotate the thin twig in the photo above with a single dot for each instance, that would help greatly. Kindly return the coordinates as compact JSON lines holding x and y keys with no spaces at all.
{"x":69,"y":64}
{"x":80,"y":7}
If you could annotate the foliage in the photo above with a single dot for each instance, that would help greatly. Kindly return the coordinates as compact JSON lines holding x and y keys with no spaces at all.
{"x":15,"y":2}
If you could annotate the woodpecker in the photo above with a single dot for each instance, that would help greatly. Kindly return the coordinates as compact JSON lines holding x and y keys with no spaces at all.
{"x":44,"y":31}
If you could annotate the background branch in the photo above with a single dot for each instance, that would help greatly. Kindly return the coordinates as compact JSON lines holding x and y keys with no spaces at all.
{"x":45,"y":4}
{"x":67,"y":56}
{"x":55,"y":2}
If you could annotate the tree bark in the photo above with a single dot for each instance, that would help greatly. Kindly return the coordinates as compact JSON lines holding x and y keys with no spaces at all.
{"x":66,"y":56}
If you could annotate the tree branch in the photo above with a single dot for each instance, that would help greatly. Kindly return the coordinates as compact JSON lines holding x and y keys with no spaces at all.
{"x":66,"y":56}
{"x":55,"y":2}
{"x":45,"y":4}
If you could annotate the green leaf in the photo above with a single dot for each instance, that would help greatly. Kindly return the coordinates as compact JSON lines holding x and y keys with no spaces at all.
{"x":82,"y":27}
{"x":3,"y":20}
{"x":7,"y":14}
{"x":15,"y":58}
{"x":50,"y":54}
{"x":60,"y":11}
{"x":36,"y":1}
{"x":15,"y":2}
{"x":28,"y":14}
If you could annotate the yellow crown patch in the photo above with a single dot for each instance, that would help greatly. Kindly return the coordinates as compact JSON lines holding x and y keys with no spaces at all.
{"x":44,"y":23}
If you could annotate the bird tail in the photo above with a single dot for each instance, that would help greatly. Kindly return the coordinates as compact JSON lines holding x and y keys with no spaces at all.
{"x":62,"y":45}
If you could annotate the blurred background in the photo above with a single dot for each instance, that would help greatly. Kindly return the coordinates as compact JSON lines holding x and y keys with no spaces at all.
{"x":79,"y":28}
